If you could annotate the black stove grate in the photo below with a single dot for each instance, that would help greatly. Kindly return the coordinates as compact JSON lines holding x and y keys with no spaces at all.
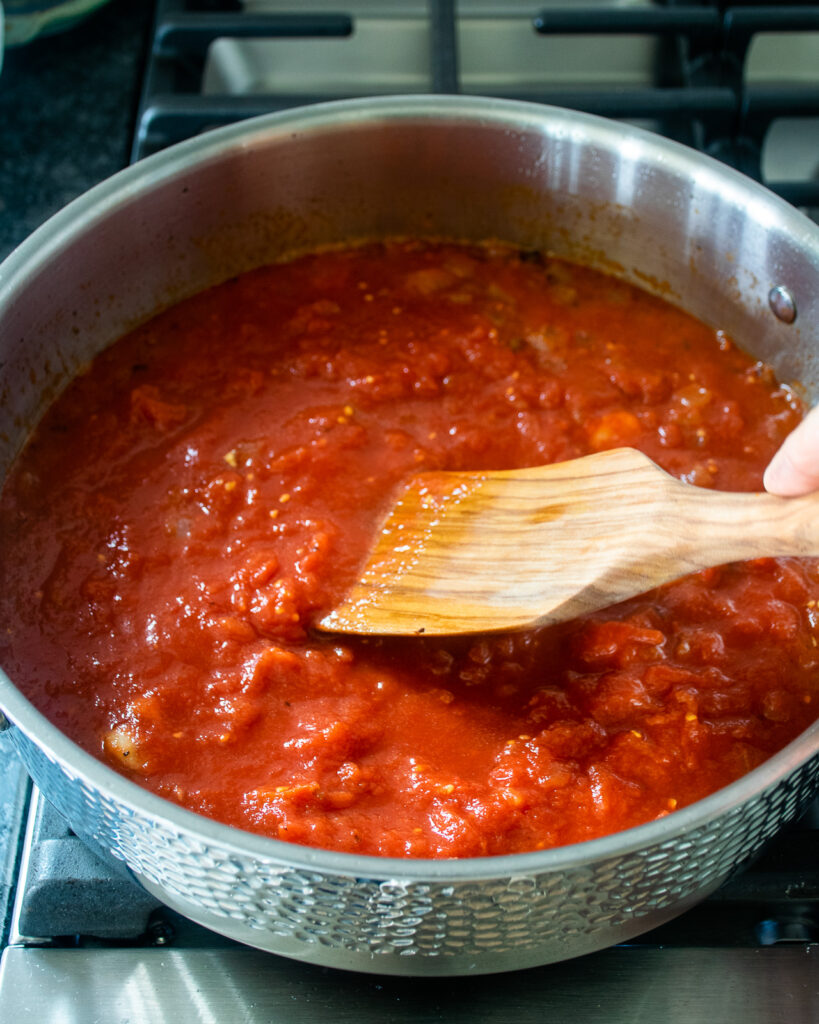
{"x":172,"y":107}
{"x":703,"y":97}
{"x":700,"y":95}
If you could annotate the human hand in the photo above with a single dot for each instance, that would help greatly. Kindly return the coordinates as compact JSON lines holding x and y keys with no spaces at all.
{"x":795,"y":467}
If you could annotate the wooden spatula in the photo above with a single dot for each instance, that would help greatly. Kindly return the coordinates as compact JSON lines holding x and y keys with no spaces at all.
{"x":479,"y":552}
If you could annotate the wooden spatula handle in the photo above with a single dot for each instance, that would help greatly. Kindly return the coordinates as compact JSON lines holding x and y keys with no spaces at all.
{"x":753,"y":525}
{"x":707,"y":527}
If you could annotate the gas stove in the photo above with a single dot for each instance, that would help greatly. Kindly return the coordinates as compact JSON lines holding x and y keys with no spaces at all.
{"x":82,"y":941}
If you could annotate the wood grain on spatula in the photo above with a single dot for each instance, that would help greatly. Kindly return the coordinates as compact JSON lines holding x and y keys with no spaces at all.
{"x":489,"y":551}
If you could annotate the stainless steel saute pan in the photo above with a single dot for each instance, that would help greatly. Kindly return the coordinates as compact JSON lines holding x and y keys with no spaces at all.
{"x":614,"y":197}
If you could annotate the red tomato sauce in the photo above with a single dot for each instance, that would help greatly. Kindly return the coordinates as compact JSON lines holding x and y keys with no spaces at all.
{"x":208,"y":488}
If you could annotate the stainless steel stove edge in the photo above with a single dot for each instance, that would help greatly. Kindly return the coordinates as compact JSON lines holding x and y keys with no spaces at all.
{"x":618,"y":986}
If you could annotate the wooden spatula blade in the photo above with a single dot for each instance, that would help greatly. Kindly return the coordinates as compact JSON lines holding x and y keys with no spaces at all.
{"x":498,"y":551}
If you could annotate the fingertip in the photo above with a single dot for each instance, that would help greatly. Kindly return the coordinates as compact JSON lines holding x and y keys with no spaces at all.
{"x":786,"y":478}
{"x":775,"y":479}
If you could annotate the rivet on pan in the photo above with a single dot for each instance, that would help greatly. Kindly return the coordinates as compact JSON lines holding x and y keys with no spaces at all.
{"x":782,"y":303}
